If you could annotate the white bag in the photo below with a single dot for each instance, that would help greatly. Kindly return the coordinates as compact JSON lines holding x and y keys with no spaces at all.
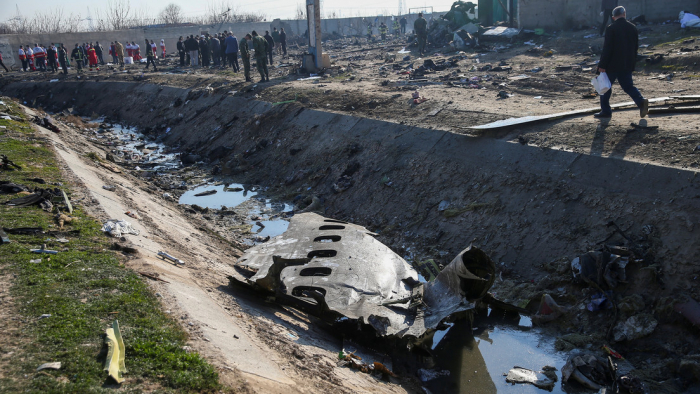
{"x":601,"y":83}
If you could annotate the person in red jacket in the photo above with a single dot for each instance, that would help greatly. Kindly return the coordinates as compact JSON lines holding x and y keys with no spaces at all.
{"x":92,"y":58}
{"x":23,"y":58}
{"x":162,"y":47}
{"x":30,"y":57}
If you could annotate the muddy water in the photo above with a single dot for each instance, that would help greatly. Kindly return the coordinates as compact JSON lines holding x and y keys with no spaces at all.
{"x":259,"y":210}
{"x":478,"y":361}
{"x":229,"y":199}
{"x":131,"y":146}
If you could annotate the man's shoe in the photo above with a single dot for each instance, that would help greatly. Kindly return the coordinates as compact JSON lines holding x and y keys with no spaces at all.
{"x":602,"y":115}
{"x":644,"y":109}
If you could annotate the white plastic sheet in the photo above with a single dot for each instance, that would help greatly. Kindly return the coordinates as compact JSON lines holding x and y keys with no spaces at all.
{"x":689,"y":20}
{"x":601,"y":83}
{"x":118,"y":227}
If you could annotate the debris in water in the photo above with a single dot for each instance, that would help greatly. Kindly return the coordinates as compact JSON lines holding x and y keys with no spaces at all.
{"x":206,"y":193}
{"x":523,"y":375}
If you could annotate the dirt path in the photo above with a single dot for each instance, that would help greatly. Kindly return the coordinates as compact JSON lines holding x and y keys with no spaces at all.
{"x":258,"y":348}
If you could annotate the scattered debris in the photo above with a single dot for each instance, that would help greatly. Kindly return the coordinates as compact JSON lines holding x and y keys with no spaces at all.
{"x":166,"y":256}
{"x":114,"y":363}
{"x":206,"y":193}
{"x":537,"y":379}
{"x":4,"y":239}
{"x":43,"y":250}
{"x":635,"y":327}
{"x":152,"y":276}
{"x":118,"y":227}
{"x":54,"y":365}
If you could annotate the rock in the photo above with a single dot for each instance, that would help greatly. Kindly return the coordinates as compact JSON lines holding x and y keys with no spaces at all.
{"x":635,"y":327}
{"x":631,"y":305}
{"x":689,"y":370}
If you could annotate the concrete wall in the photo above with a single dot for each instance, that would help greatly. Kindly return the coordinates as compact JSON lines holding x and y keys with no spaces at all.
{"x":583,"y":13}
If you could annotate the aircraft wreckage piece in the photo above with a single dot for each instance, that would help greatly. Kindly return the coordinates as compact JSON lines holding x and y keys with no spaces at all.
{"x":330,"y":267}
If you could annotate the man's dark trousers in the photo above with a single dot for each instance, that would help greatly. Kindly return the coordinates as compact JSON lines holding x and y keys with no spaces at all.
{"x":233,"y":60}
{"x":625,"y":79}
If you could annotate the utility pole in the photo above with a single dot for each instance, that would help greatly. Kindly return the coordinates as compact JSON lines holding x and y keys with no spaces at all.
{"x":313,"y":16}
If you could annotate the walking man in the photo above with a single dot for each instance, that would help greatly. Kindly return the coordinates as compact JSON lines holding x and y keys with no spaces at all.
{"x":245,"y":57}
{"x":618,"y":61}
{"x":283,"y":41}
{"x":606,"y":9}
{"x":421,"y":28}
{"x":260,"y":46}
{"x":232,"y":52}
{"x":150,"y":57}
{"x":276,"y":39}
{"x":119,"y":48}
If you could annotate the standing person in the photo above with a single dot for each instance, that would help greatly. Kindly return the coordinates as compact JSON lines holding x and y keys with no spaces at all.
{"x":83,"y":49}
{"x":51,"y":58}
{"x":215,"y":50}
{"x":113,"y":52}
{"x":421,"y":28}
{"x":162,"y":46}
{"x":137,"y":51}
{"x":23,"y":58}
{"x":245,"y":57}
{"x":369,"y":31}
{"x":98,"y":51}
{"x":606,"y":9}
{"x":92,"y":58}
{"x":383,"y":30}
{"x":39,"y":57}
{"x":618,"y":60}
{"x":403,"y":22}
{"x":63,"y":58}
{"x":260,"y":46}
{"x":283,"y":41}
{"x":150,"y":56}
{"x":192,"y":49}
{"x":119,"y":47}
{"x":3,"y":64}
{"x":129,"y":49}
{"x":155,"y":49}
{"x":30,"y":58}
{"x":205,"y":51}
{"x":276,"y":39}
{"x":77,"y":55}
{"x":222,"y":40}
{"x":270,"y":44}
{"x":232,"y":52}
{"x":397,"y":28}
{"x":181,"y":51}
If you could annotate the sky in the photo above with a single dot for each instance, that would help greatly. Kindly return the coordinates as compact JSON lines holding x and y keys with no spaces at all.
{"x":284,"y":9}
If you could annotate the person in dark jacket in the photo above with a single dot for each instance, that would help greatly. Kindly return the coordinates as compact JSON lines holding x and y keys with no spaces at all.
{"x":606,"y":9}
{"x":98,"y":51}
{"x":63,"y":58}
{"x":205,"y":51}
{"x":181,"y":51}
{"x":270,"y":44}
{"x":150,"y":56}
{"x":215,"y":50}
{"x":51,"y":55}
{"x":283,"y":41}
{"x":192,"y":48}
{"x":618,"y":61}
{"x":77,"y":55}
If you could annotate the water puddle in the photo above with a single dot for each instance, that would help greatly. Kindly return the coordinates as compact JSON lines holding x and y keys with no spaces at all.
{"x":478,"y":361}
{"x":267,"y":218}
{"x":227,"y":195}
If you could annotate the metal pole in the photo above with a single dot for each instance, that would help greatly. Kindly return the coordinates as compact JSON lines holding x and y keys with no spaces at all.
{"x":313,"y":15}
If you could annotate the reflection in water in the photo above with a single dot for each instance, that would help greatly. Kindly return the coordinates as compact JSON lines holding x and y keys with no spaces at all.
{"x":478,"y":360}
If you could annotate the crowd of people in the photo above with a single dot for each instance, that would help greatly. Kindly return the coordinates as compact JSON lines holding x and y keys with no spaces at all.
{"x":223,"y":50}
{"x":217,"y":50}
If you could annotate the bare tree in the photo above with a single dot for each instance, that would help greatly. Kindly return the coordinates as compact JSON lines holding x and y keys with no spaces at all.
{"x":118,"y":14}
{"x":171,"y":14}
{"x":301,"y":12}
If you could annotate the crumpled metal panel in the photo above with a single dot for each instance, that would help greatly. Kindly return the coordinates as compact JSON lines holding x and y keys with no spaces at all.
{"x":342,"y":268}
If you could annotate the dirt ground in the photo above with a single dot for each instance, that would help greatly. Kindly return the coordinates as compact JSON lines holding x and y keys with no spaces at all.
{"x":363,"y":84}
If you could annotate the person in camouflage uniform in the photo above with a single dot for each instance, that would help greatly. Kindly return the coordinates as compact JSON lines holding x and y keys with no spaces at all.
{"x":260,"y":46}
{"x":245,"y":56}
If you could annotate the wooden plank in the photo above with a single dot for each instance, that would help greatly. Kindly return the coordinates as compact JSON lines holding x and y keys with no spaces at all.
{"x":541,"y":118}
